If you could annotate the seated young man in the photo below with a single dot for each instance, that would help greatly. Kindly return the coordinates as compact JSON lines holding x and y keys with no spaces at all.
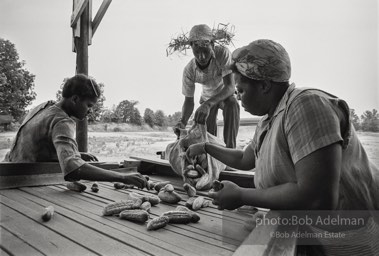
{"x":47,"y":134}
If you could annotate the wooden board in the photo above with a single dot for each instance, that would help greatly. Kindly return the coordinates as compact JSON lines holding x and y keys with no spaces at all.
{"x":79,"y":7}
{"x":11,"y":242}
{"x":150,"y":165}
{"x":13,"y":175}
{"x":13,"y":169}
{"x":78,"y":227}
{"x":261,"y":240}
{"x":99,"y":15}
{"x":26,"y":226}
{"x":81,"y":213}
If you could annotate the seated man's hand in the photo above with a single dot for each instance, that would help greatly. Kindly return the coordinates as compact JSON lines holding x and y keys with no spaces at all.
{"x":135,"y":179}
{"x":178,"y":127}
{"x":229,"y":197}
{"x":88,"y":157}
{"x":202,"y":113}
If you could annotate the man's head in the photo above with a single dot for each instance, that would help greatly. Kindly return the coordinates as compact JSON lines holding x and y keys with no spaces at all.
{"x":202,"y":43}
{"x":80,"y":94}
{"x":263,"y":69}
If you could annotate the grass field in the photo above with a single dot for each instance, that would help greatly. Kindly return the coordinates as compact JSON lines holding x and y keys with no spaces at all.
{"x":117,"y":146}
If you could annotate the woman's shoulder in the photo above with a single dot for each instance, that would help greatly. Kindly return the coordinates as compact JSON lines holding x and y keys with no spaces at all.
{"x":308,"y":97}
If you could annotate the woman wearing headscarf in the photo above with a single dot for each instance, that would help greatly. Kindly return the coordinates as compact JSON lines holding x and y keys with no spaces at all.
{"x":305,"y":152}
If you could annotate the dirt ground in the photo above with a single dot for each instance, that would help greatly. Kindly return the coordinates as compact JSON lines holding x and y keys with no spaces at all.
{"x":118,"y":146}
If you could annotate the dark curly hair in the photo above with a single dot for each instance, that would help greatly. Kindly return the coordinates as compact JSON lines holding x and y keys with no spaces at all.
{"x":81,"y":85}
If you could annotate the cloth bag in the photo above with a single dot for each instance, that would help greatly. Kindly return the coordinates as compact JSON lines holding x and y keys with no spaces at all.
{"x":210,"y":167}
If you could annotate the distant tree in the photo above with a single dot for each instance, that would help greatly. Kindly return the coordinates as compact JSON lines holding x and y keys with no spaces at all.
{"x":126,"y":112}
{"x":58,"y":95}
{"x":355,"y":120}
{"x":174,"y":119}
{"x":109,"y":115}
{"x":135,"y":117}
{"x":16,"y":83}
{"x":148,"y":117}
{"x":99,"y":106}
{"x":370,"y":121}
{"x":160,"y":118}
{"x":106,"y":116}
{"x":97,"y":110}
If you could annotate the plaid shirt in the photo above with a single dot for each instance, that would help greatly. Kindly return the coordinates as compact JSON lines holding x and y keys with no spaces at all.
{"x":305,"y":121}
{"x":47,"y":134}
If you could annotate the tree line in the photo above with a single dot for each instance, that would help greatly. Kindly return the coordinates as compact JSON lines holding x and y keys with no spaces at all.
{"x":126,"y":112}
{"x":17,"y":93}
{"x":369,"y":121}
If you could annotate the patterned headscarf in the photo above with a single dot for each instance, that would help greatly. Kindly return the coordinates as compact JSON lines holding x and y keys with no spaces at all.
{"x":263,"y":60}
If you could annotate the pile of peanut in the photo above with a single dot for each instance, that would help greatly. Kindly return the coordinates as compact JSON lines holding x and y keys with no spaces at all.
{"x":197,"y":168}
{"x":136,"y":207}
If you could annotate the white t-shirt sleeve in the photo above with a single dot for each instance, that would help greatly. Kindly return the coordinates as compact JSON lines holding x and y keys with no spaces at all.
{"x":188,"y":86}
{"x":224,"y":60}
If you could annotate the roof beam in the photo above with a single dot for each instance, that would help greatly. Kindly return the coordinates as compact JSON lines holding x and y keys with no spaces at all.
{"x":99,"y":15}
{"x":79,"y":8}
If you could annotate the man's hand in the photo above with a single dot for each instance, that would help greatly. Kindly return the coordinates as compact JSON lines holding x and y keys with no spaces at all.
{"x":177,"y":128}
{"x":88,"y":157}
{"x":136,"y":179}
{"x":194,"y":150}
{"x":202,"y":113}
{"x":229,"y":197}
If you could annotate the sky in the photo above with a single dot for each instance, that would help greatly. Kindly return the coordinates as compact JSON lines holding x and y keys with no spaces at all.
{"x":333,"y":45}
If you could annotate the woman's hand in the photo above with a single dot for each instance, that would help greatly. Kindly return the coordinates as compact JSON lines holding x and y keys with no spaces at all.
{"x":229,"y":197}
{"x":88,"y":157}
{"x":135,"y":179}
{"x":194,"y":150}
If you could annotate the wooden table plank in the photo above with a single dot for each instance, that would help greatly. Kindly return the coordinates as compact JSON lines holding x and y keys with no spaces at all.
{"x":13,"y":175}
{"x":79,"y":225}
{"x":262,"y":242}
{"x":37,"y":235}
{"x":99,"y":227}
{"x":227,"y":229}
{"x":4,"y":252}
{"x":14,"y":169}
{"x":86,"y":211}
{"x":67,"y":226}
{"x":169,"y":236}
{"x":209,"y":230}
{"x":151,"y":165}
{"x":235,"y":216}
{"x":177,"y":182}
{"x":12,"y":243}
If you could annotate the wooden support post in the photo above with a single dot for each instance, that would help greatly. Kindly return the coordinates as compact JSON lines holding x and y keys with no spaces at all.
{"x":81,"y":44}
{"x":83,"y":30}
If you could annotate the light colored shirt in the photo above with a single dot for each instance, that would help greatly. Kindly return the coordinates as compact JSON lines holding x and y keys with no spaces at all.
{"x":210,"y":78}
{"x":47,"y":134}
{"x":304,"y":121}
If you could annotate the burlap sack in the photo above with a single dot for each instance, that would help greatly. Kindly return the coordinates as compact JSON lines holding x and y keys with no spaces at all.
{"x":210,"y":167}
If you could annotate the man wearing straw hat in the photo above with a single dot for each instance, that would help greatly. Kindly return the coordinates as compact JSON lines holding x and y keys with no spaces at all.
{"x":209,"y":68}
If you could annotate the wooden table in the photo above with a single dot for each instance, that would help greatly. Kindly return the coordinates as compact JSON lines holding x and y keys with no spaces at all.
{"x":78,"y":227}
